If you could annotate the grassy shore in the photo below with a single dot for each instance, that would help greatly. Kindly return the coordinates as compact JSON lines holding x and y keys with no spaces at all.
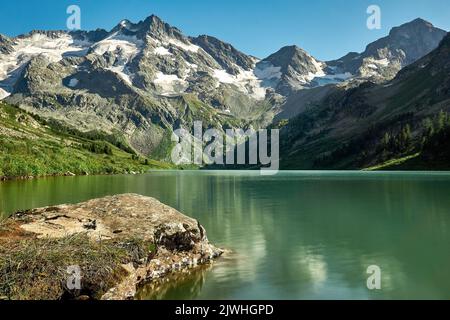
{"x":33,"y":147}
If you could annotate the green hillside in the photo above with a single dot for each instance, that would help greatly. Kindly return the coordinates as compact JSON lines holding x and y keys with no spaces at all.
{"x":33,"y":147}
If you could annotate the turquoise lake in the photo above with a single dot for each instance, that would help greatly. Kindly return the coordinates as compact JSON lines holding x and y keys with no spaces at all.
{"x":295,"y":235}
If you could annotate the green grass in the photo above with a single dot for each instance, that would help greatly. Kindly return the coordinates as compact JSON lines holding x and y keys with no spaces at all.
{"x":162,"y":152}
{"x":36,"y":269}
{"x":393,"y":163}
{"x":31,"y":147}
{"x":416,"y":90}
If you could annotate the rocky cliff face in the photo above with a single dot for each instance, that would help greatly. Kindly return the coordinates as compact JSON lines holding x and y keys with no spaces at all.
{"x":230,"y":59}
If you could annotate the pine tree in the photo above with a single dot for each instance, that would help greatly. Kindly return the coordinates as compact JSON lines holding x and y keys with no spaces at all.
{"x":386,"y":140}
{"x":405,"y":138}
{"x":441,"y":120}
{"x":428,"y":127}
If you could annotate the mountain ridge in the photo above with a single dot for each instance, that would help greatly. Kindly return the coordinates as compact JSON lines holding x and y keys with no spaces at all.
{"x":147,"y":79}
{"x":388,"y":55}
{"x":372,"y":123}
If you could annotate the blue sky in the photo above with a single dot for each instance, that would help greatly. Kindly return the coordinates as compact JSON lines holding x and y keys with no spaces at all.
{"x":327,"y":29}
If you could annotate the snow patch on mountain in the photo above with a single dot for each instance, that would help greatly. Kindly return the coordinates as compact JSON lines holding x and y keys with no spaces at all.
{"x":25,"y":48}
{"x":305,"y":79}
{"x":123,"y":73}
{"x":3,"y":94}
{"x":330,"y":75}
{"x":224,"y":77}
{"x":332,"y":78}
{"x":128,"y":46}
{"x":170,"y":84}
{"x":162,"y":51}
{"x":267,"y":71}
{"x":73,"y":82}
{"x":245,"y":81}
{"x":187,"y":47}
{"x":319,"y":69}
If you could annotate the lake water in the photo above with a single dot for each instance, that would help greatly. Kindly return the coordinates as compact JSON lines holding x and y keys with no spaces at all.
{"x":296,"y":235}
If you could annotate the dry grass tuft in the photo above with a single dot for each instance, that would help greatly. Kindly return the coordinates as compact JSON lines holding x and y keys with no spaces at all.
{"x":36,"y":269}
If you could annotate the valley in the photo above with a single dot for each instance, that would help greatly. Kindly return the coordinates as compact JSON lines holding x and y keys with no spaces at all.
{"x":142,"y":81}
{"x":354,"y":176}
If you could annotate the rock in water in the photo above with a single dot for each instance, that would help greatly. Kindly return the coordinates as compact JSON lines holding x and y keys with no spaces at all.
{"x":177,"y":241}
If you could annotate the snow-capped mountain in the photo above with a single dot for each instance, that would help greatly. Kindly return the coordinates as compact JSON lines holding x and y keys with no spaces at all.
{"x":292,"y":69}
{"x":142,"y":80}
{"x":346,"y":130}
{"x":149,"y":55}
{"x":384,"y":58}
{"x":380,"y":62}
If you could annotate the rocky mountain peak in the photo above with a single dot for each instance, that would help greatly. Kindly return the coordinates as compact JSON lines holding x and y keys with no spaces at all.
{"x":412,"y":26}
{"x":383,"y":58}
{"x":295,"y":59}
{"x":297,"y":67}
{"x":155,"y":26}
{"x":413,"y":40}
{"x":152,"y":26}
{"x":225,"y":54}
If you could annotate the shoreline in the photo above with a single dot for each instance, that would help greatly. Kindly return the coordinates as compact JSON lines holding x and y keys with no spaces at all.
{"x":69,"y":174}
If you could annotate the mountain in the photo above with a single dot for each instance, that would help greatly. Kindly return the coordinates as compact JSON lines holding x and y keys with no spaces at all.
{"x":380,"y":62}
{"x":292,"y":69}
{"x":383,"y":58}
{"x":230,"y":59}
{"x":289,"y":69}
{"x":376,"y":125}
{"x":140,"y":81}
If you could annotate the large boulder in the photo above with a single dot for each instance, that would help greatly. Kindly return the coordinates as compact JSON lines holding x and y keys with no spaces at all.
{"x":172,"y":241}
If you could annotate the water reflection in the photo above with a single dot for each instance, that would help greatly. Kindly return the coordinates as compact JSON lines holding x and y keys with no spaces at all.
{"x":178,"y":286}
{"x":293,"y":236}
